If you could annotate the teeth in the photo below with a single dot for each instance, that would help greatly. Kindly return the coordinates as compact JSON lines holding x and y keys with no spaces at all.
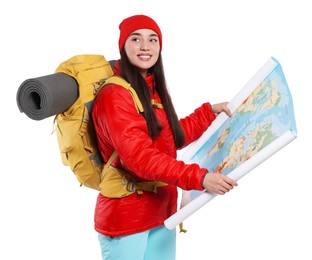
{"x":145,"y":56}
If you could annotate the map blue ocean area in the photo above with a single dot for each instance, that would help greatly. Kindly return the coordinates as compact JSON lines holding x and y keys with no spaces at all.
{"x":262,"y":123}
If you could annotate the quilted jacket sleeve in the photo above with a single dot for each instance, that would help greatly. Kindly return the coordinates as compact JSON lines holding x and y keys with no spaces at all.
{"x":195,"y":124}
{"x":119,"y":124}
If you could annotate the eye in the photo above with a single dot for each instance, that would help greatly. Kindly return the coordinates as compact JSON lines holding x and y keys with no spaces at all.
{"x":154,"y":40}
{"x":135,"y":39}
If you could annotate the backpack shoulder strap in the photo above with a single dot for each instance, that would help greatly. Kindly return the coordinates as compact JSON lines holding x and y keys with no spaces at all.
{"x":122,"y":82}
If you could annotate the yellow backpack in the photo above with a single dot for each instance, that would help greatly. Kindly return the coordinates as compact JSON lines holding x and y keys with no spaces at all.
{"x":76,"y":134}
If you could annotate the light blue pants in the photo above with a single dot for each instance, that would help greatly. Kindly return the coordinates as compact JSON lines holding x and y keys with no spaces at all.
{"x":154,"y":244}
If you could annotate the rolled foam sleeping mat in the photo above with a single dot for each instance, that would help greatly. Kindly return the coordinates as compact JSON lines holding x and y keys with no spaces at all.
{"x":46,"y":96}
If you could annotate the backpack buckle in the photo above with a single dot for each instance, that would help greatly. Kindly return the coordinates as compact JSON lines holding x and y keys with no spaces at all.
{"x":131,"y":186}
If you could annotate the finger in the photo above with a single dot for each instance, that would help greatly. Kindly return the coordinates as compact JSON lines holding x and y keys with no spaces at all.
{"x":222,"y":190}
{"x":227,"y":187}
{"x":230,"y":181}
{"x":227,"y":111}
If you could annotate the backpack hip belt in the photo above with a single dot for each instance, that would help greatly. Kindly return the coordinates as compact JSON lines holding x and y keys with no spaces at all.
{"x":118,"y":183}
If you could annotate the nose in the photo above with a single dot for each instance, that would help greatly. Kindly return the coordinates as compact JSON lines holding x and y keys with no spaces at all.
{"x":144,"y":45}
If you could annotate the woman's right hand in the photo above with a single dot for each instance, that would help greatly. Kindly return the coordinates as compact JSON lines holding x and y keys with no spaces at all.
{"x":218,"y":183}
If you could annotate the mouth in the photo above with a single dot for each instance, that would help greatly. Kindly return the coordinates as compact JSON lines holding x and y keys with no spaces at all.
{"x":144,"y":56}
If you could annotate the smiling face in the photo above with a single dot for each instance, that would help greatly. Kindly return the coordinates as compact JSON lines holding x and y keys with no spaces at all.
{"x":142,"y":48}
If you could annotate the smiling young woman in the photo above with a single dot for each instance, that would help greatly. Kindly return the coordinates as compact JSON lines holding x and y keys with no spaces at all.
{"x":132,"y":226}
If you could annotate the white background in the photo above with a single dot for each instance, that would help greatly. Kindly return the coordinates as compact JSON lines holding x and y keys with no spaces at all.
{"x":210,"y":49}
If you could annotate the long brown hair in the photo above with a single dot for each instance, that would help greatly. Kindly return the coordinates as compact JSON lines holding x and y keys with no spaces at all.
{"x":131,"y":74}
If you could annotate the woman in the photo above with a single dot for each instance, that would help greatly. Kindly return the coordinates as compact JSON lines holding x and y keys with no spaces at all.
{"x":132,"y":227}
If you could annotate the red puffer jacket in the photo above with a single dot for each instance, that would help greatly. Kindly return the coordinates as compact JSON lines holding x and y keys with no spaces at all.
{"x":120,"y":127}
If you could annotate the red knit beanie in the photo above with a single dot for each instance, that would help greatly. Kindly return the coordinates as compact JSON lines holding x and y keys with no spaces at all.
{"x":136,"y":22}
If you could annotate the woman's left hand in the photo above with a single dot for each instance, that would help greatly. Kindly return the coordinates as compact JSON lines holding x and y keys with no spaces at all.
{"x":221,"y":107}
